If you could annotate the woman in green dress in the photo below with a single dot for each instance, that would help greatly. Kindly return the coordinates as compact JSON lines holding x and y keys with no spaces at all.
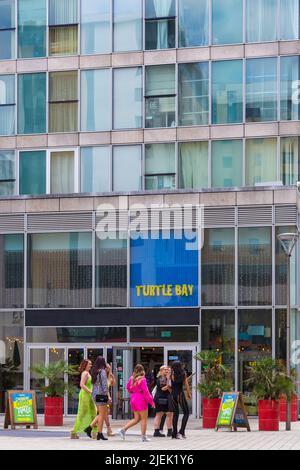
{"x":87,"y":410}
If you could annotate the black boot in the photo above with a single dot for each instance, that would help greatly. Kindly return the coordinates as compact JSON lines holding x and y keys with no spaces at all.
{"x":100,"y":437}
{"x":157,"y":433}
{"x":170,"y":432}
{"x":88,"y":431}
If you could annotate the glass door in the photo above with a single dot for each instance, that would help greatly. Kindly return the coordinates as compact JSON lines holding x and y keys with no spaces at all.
{"x":75,"y":356}
{"x":187,"y":358}
{"x":37,"y":357}
{"x":122,"y":369}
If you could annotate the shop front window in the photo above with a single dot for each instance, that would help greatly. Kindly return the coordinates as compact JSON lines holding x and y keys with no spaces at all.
{"x":281,"y":270}
{"x":60,"y":270}
{"x":11,"y":354}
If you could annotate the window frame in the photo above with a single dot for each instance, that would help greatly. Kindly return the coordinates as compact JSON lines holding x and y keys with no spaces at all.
{"x":14,"y":31}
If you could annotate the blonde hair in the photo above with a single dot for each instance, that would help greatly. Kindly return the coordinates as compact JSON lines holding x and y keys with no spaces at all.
{"x":138,"y":373}
{"x":160,"y":371}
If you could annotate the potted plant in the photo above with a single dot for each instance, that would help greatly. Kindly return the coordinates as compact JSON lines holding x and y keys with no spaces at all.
{"x":269,"y":380}
{"x":53,"y":376}
{"x":250,"y":402}
{"x":215,"y":379}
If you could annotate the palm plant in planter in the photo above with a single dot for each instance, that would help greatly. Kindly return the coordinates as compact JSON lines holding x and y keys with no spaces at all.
{"x":215,"y":379}
{"x":55,"y":387}
{"x":270,"y":382}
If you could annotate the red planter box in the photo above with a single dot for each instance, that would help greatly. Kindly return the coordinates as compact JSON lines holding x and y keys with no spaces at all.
{"x":294,"y":410}
{"x":268,"y":415}
{"x":211,"y":408}
{"x":54,"y":411}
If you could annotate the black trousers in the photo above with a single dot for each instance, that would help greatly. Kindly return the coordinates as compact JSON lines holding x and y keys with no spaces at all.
{"x":180,"y":401}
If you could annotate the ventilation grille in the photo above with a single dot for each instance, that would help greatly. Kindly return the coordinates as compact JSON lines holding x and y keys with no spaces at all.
{"x":165,"y":218}
{"x":112,"y":221}
{"x":219,"y":216}
{"x":60,"y":222}
{"x":255,"y":215}
{"x":286,"y":215}
{"x":11,"y":223}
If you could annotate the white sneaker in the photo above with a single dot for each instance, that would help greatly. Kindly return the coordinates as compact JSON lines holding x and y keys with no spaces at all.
{"x":122,"y":434}
{"x":179,"y":436}
{"x":145,"y":439}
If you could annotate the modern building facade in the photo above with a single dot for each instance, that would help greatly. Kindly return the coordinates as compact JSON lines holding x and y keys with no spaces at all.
{"x":134,"y":104}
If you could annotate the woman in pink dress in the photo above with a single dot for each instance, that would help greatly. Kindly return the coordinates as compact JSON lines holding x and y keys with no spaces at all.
{"x":140,"y":398}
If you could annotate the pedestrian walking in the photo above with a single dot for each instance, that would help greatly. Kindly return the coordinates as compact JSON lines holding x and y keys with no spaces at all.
{"x":87,"y":410}
{"x":179,"y":382}
{"x":140,"y":398}
{"x":100,"y":397}
{"x":163,"y":401}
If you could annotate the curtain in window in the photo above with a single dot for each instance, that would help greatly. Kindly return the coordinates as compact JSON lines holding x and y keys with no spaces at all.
{"x":63,"y":40}
{"x":63,"y":12}
{"x":95,"y":27}
{"x":32,"y":103}
{"x":261,"y":161}
{"x":62,"y":172}
{"x":128,"y":98}
{"x":7,"y":89}
{"x":95,"y":169}
{"x":193,"y":23}
{"x":261,"y":20}
{"x":160,"y":159}
{"x":289,"y":160}
{"x":32,"y":175}
{"x":96,"y":100}
{"x":160,"y":80}
{"x":193,"y":166}
{"x":127,"y":25}
{"x":63,"y":102}
{"x":289,"y":19}
{"x":162,"y":10}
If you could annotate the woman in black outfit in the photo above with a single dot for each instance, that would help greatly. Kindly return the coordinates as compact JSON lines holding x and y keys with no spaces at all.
{"x":179,"y":381}
{"x":163,"y":401}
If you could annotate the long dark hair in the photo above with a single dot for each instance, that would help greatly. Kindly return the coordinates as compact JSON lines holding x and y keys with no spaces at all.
{"x":99,"y":364}
{"x":178,"y":372}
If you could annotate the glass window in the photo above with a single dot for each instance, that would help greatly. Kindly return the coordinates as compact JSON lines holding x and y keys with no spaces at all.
{"x":160,"y":96}
{"x":32,"y":172}
{"x":160,"y":166}
{"x":280,"y":334}
{"x":95,"y":100}
{"x":32,"y":20}
{"x":255,"y":341}
{"x":218,"y":334}
{"x":193,"y":94}
{"x":95,"y":27}
{"x":7,"y":172}
{"x":289,"y":19}
{"x":193,"y":165}
{"x":289,"y":160}
{"x":7,"y":104}
{"x":127,"y":161}
{"x":12,"y":271}
{"x":162,"y":334}
{"x":227,"y":92}
{"x":111,"y":272}
{"x":60,"y":270}
{"x":95,"y":169}
{"x":227,"y":163}
{"x":63,"y":97}
{"x":32,"y":103}
{"x":227,"y":21}
{"x":261,"y":161}
{"x":193,"y":23}
{"x":261,"y":20}
{"x":7,"y":29}
{"x":281,"y":270}
{"x":12,"y":354}
{"x":127,"y":25}
{"x":160,"y":24}
{"x":128,"y":98}
{"x":261,"y":96}
{"x":289,"y":86}
{"x":63,"y":31}
{"x":218,"y":267}
{"x":62,"y":172}
{"x":76,"y":335}
{"x":255,"y":266}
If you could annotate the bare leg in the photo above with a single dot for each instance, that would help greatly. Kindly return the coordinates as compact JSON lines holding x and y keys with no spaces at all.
{"x":133,"y":422}
{"x":144,"y":421}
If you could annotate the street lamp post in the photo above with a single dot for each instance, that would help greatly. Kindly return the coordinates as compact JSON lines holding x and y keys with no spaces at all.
{"x":288,"y":242}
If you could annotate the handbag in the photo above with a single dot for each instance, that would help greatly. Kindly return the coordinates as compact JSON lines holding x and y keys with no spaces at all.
{"x":101,"y":399}
{"x":163,"y":401}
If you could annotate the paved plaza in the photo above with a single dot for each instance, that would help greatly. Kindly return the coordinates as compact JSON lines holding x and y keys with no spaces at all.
{"x":198,"y":439}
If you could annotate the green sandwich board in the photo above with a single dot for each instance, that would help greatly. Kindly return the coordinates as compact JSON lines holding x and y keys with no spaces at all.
{"x":232,"y":412}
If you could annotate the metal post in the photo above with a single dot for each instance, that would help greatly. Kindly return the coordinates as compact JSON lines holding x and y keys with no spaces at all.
{"x":288,"y":340}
